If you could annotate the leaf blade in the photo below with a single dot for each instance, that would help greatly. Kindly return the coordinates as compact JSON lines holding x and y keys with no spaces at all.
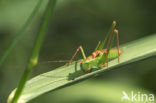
{"x":133,"y":51}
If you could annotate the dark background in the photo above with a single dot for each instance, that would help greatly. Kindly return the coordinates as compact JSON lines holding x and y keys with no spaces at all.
{"x":74,"y":23}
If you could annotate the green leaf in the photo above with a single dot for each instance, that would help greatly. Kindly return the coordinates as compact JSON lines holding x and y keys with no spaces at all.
{"x":96,"y":91}
{"x":62,"y":77}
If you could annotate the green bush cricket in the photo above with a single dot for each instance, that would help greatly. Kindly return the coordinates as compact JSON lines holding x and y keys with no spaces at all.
{"x":100,"y":57}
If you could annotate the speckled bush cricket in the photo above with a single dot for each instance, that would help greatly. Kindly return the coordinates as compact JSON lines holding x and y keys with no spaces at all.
{"x":100,"y":57}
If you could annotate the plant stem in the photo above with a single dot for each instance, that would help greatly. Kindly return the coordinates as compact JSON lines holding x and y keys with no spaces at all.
{"x":35,"y":52}
{"x":19,"y":33}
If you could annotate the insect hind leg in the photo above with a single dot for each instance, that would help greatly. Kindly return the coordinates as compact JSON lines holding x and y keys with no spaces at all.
{"x":117,"y":38}
{"x":110,"y":41}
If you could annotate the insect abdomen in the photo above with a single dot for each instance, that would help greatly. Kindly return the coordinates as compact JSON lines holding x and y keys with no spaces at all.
{"x":113,"y":54}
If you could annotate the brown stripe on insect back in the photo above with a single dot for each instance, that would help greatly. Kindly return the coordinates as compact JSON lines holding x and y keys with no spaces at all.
{"x":96,"y":53}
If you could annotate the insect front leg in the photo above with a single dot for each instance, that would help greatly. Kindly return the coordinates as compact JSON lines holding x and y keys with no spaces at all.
{"x":83,"y":54}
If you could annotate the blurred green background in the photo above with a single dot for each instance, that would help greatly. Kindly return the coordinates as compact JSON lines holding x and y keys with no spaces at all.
{"x":74,"y":23}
